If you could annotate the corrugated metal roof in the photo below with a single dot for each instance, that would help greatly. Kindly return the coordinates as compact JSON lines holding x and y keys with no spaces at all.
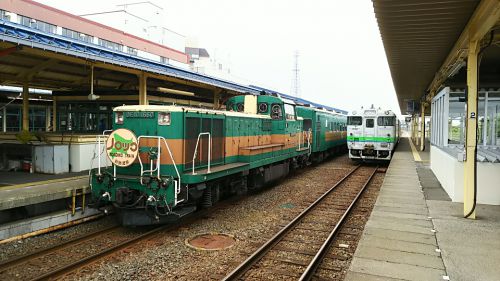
{"x":19,"y":34}
{"x":22,"y":35}
{"x":417,"y":37}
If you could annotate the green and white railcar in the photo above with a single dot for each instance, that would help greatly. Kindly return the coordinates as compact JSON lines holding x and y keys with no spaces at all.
{"x":372,"y":134}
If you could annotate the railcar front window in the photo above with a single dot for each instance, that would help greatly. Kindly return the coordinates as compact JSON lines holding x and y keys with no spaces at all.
{"x":370,"y":123}
{"x":354,"y":121}
{"x":386,"y":121}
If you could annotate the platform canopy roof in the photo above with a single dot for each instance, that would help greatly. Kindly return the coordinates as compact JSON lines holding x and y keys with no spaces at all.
{"x":51,"y":61}
{"x":418,"y":36}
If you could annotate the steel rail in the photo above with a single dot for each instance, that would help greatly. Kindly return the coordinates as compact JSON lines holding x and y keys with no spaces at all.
{"x":74,"y":265}
{"x":24,"y":258}
{"x":318,"y":258}
{"x":262,"y":251}
{"x":108,"y":251}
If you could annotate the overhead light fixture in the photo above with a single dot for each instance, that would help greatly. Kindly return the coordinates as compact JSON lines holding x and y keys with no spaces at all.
{"x":174,"y":91}
{"x":92,"y":96}
{"x":456,"y":68}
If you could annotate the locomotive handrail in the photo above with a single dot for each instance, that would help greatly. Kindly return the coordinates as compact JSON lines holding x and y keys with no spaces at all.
{"x":104,"y":134}
{"x":177,"y":185}
{"x":209,"y":149}
{"x":301,"y":133}
{"x":309,"y":134}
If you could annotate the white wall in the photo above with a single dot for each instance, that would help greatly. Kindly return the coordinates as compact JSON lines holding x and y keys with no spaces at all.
{"x":80,"y":157}
{"x":450,"y":174}
{"x":143,"y":27}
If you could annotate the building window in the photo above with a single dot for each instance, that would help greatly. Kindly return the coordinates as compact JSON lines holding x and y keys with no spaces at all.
{"x":4,"y":15}
{"x":13,"y":119}
{"x":37,"y":119}
{"x":164,"y":60}
{"x":85,"y":117}
{"x":77,"y":35}
{"x":40,"y":25}
{"x":132,"y":51}
{"x":110,"y":45}
{"x":199,"y":69}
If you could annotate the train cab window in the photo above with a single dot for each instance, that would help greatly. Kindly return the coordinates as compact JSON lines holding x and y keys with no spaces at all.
{"x":386,"y":121}
{"x":276,"y":113}
{"x":354,"y":121}
{"x":289,"y":112}
{"x":370,"y":122}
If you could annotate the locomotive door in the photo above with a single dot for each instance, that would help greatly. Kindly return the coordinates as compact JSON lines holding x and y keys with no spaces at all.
{"x":318,"y":133}
{"x":305,"y":130}
{"x":196,"y":124}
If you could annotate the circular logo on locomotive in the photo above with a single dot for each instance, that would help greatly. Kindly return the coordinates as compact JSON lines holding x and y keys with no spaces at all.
{"x":122,"y":147}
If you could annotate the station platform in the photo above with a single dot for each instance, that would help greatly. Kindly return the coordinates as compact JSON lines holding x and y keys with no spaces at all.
{"x":31,"y":204}
{"x":415,"y":232}
{"x":20,"y":189}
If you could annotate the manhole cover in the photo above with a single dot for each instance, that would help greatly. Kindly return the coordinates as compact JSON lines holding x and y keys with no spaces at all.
{"x":211,"y":241}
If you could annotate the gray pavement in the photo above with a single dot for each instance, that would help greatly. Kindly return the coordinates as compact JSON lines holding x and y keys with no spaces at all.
{"x":398,"y":242}
{"x":17,"y":196}
{"x":416,"y":233}
{"x":9,"y":178}
{"x":470,"y":248}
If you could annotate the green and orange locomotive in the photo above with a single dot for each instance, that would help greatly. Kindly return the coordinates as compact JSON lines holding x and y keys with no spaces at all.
{"x":164,"y":162}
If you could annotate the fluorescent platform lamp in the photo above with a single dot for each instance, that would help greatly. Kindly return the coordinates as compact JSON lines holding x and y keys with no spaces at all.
{"x":175,"y":92}
{"x":456,"y":68}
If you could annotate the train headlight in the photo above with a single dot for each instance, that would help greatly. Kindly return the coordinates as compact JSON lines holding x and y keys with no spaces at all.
{"x":163,"y":118}
{"x":119,"y":117}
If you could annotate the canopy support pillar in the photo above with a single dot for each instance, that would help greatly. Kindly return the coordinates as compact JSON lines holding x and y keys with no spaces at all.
{"x":422,"y":128}
{"x":470,"y":193}
{"x":26,"y":107}
{"x":143,"y":86}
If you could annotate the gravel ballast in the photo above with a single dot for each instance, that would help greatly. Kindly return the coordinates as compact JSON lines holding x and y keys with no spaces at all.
{"x":252,"y":220}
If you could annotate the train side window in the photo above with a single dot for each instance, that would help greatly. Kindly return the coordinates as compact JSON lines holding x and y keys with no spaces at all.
{"x":354,"y":120}
{"x":370,"y":123}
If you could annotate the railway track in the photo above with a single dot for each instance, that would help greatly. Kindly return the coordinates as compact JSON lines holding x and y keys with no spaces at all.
{"x":61,"y":259}
{"x":298,"y":249}
{"x":52,"y":262}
